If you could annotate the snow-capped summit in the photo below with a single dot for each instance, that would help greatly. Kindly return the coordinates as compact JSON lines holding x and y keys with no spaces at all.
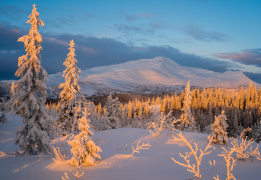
{"x":150,"y":75}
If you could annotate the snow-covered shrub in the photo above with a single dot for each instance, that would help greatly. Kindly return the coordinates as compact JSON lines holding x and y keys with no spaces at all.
{"x":219,"y":130}
{"x":193,"y":168}
{"x":244,"y":150}
{"x":160,"y":124}
{"x":84,"y":150}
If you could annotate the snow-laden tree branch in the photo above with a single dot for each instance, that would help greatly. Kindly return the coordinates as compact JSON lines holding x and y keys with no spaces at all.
{"x":193,"y":168}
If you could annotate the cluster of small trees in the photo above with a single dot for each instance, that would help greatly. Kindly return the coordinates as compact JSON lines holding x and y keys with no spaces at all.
{"x":28,"y":97}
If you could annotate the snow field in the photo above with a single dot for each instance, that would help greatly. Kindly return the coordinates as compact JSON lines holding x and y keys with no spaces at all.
{"x":116,"y":162}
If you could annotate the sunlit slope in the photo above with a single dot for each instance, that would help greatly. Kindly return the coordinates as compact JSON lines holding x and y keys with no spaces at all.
{"x":160,"y":72}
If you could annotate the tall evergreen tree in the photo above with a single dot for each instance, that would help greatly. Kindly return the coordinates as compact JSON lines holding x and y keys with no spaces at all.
{"x":31,"y":92}
{"x":114,"y":111}
{"x":186,"y":119}
{"x":219,"y":129}
{"x":11,"y":102}
{"x":70,"y":95}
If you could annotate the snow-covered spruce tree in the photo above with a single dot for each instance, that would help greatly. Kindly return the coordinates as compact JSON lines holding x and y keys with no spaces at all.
{"x":84,"y":150}
{"x":2,"y":104}
{"x":11,"y":101}
{"x":70,"y":95}
{"x":12,"y":89}
{"x":219,"y":129}
{"x":31,"y":93}
{"x":114,"y":111}
{"x":186,"y":120}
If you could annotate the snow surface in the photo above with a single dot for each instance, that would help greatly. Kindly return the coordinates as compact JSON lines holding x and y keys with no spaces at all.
{"x":116,"y":162}
{"x":149,"y":75}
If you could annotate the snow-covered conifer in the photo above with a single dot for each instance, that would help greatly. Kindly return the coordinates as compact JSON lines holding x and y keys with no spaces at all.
{"x":84,"y":150}
{"x":2,"y":104}
{"x":186,"y":119}
{"x":11,"y":101}
{"x":70,"y":95}
{"x":12,"y":89}
{"x":31,"y":93}
{"x":219,"y":129}
{"x":114,"y":111}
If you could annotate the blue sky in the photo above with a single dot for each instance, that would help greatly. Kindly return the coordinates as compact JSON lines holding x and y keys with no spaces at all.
{"x":217,"y":35}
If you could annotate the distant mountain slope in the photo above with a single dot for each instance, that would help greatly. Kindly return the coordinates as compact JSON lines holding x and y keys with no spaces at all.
{"x":145,"y":76}
{"x":150,"y":76}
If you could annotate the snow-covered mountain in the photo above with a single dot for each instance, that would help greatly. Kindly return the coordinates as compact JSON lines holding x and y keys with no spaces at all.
{"x":150,"y":76}
{"x":146,"y":76}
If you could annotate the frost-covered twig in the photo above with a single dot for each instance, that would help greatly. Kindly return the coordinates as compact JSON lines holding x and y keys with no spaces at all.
{"x":230,"y":162}
{"x":76,"y":174}
{"x":212,"y":164}
{"x":58,"y":155}
{"x":65,"y":177}
{"x":2,"y":153}
{"x":216,"y":178}
{"x":139,"y":147}
{"x":192,"y":167}
{"x":159,"y":125}
{"x":243,"y":133}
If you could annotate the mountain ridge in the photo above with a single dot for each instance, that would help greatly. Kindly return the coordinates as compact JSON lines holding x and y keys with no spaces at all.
{"x":159,"y":72}
{"x":146,"y":76}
